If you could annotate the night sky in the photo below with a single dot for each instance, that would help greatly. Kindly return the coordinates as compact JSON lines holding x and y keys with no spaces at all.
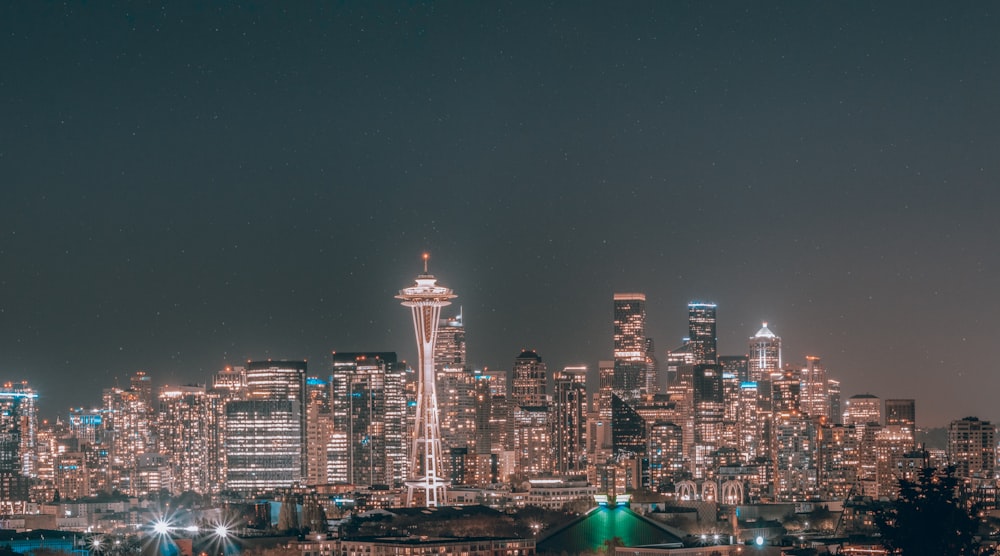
{"x":187,"y":187}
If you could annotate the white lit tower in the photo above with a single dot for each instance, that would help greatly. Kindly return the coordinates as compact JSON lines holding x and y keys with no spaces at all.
{"x":426,"y":298}
{"x":765,"y":354}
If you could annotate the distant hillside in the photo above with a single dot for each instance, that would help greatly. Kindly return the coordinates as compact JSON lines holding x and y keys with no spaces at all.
{"x":933,"y":439}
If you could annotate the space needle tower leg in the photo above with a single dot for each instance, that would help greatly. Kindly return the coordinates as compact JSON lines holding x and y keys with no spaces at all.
{"x":425,"y":299}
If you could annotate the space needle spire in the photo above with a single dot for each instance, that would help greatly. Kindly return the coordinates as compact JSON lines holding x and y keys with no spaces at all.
{"x":425,"y":299}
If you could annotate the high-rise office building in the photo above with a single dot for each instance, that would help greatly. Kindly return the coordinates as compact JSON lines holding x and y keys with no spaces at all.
{"x":795,"y":456}
{"x":569,"y":420}
{"x":863,"y":409}
{"x":319,"y":430}
{"x":838,"y":460}
{"x":833,"y":393}
{"x":681,"y":392}
{"x":425,"y":300}
{"x":449,"y":349}
{"x":765,"y":354}
{"x":263,"y":444}
{"x":605,"y":389}
{"x":455,"y":385}
{"x":666,"y":454}
{"x":18,"y":440}
{"x":231,"y":379}
{"x":676,"y":358}
{"x":786,"y":391}
{"x":282,"y":380}
{"x":532,"y":434}
{"x":815,"y":398}
{"x":751,"y":424}
{"x":629,"y":345}
{"x":47,"y":448}
{"x":893,"y":443}
{"x":528,"y":380}
{"x":972,"y":447}
{"x":265,"y":429}
{"x":738,"y":365}
{"x":702,"y":334}
{"x":652,"y":383}
{"x":492,"y":429}
{"x":901,"y":412}
{"x":182,"y":427}
{"x":731,"y":412}
{"x":19,"y":428}
{"x":228,"y":385}
{"x":599,"y":421}
{"x":628,"y":431}
{"x":709,"y":410}
{"x":369,"y":408}
{"x":128,"y":418}
{"x":142,"y":384}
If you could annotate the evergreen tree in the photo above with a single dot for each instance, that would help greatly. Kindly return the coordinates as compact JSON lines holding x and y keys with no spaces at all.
{"x":929,"y":518}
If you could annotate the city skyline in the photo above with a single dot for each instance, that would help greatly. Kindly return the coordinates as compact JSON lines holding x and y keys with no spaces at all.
{"x":188,"y":188}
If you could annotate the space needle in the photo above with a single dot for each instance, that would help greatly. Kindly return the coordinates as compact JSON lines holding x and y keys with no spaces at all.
{"x":426,"y":298}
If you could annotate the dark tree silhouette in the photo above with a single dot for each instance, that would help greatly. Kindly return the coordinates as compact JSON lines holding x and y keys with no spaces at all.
{"x":609,"y":546}
{"x":929,"y":518}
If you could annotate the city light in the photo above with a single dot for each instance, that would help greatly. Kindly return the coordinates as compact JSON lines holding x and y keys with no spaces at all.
{"x":161,"y":527}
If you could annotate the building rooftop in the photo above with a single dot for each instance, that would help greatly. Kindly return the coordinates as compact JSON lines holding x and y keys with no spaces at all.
{"x":764,"y":332}
{"x":529,"y":354}
{"x":589,"y":531}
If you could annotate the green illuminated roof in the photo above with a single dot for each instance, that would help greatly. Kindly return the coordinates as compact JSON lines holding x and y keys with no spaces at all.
{"x":589,"y":532}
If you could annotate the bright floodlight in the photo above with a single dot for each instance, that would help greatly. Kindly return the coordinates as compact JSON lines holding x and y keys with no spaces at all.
{"x":221,"y":531}
{"x":759,"y":540}
{"x":96,"y":543}
{"x":191,"y":528}
{"x":161,"y":527}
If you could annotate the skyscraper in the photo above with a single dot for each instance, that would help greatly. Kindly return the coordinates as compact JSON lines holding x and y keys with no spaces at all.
{"x":628,"y":430}
{"x":738,"y":365}
{"x":18,"y":437}
{"x":263,"y":444}
{"x":449,"y":349}
{"x":228,"y":385}
{"x":128,"y":420}
{"x":569,"y":420}
{"x":319,"y":430}
{"x":282,"y":380}
{"x":529,"y":380}
{"x":815,"y":400}
{"x":652,"y":383}
{"x":425,"y":298}
{"x":709,"y":409}
{"x":901,"y":412}
{"x":492,"y":426}
{"x":182,"y":424}
{"x":455,"y":385}
{"x":795,"y":456}
{"x":833,"y":393}
{"x":532,"y":436}
{"x":629,"y":345}
{"x":265,"y":429}
{"x":368,"y":410}
{"x":863,"y":409}
{"x":702,"y":332}
{"x":765,"y":354}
